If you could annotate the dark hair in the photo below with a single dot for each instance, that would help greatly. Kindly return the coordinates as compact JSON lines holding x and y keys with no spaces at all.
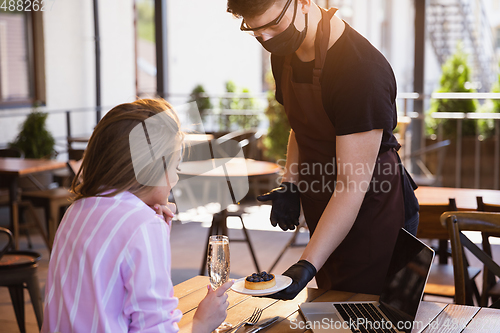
{"x":107,"y":165}
{"x":249,"y":8}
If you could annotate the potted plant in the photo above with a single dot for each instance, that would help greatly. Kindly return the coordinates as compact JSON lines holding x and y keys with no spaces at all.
{"x":202,"y":101}
{"x":455,"y":78}
{"x":276,"y":140}
{"x":34,"y":140}
{"x":244,"y":103}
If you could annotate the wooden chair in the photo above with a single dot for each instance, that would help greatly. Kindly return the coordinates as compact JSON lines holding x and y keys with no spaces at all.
{"x":246,"y":139}
{"x":441,"y":278}
{"x":18,"y":270}
{"x":52,"y":201}
{"x":24,"y":206}
{"x":427,"y":178}
{"x":491,"y":288}
{"x":11,"y":152}
{"x":64,"y":177}
{"x":456,"y":222}
{"x":75,"y":154}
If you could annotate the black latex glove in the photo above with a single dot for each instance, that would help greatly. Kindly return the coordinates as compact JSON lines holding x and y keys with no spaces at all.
{"x":286,"y":205}
{"x":301,"y":273}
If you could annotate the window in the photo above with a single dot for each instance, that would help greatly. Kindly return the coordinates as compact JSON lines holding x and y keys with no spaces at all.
{"x":21,"y":59}
{"x":497,"y":33}
{"x":386,"y":29}
{"x":145,"y":48}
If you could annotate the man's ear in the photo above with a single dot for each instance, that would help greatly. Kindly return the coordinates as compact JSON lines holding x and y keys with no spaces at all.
{"x":304,"y":6}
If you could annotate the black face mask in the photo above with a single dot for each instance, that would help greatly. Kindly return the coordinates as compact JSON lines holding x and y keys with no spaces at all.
{"x":286,"y":42}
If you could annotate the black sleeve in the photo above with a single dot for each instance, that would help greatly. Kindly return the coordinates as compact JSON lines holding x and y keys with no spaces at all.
{"x":277,"y":68}
{"x":362,"y":99}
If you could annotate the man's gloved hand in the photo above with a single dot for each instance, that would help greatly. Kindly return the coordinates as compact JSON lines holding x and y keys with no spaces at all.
{"x":286,"y":205}
{"x":301,"y":273}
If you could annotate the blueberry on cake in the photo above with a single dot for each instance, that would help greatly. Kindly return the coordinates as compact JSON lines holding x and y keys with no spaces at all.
{"x":260,"y":281}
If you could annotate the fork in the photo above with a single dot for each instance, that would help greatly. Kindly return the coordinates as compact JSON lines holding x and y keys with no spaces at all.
{"x":250,"y":321}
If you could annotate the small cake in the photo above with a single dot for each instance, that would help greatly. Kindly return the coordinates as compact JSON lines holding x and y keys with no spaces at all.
{"x":260,"y":281}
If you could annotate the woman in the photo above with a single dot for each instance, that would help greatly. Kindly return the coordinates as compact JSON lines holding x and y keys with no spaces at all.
{"x":110,"y":266}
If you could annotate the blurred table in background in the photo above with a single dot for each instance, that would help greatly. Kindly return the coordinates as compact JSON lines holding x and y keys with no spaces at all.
{"x":226,"y":181}
{"x":11,"y":169}
{"x":465,"y":197}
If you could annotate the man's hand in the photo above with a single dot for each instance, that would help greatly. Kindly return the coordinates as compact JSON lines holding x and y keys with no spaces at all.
{"x":286,"y":205}
{"x":301,"y":273}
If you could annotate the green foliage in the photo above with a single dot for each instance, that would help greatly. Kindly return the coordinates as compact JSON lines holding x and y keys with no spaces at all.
{"x":487,"y":126}
{"x":202,"y":102}
{"x":496,"y":89}
{"x":145,"y":20}
{"x":34,"y":139}
{"x":455,"y":75}
{"x":237,"y":103}
{"x":276,"y":140}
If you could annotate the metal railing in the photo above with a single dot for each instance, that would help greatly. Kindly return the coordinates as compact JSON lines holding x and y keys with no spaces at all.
{"x":405,"y":112}
{"x":459,"y":117}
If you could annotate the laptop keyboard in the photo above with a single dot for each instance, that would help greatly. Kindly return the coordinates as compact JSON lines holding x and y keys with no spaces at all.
{"x":364,"y":318}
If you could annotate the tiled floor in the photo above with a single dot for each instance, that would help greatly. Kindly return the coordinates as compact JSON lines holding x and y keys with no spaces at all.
{"x":188,"y":245}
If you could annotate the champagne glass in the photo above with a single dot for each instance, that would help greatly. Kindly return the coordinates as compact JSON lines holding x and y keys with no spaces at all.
{"x":218,"y":266}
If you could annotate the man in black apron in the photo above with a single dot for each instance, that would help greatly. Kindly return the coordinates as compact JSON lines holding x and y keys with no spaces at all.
{"x":342,"y":163}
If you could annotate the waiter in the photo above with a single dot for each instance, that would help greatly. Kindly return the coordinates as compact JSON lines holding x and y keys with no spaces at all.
{"x":342,"y":164}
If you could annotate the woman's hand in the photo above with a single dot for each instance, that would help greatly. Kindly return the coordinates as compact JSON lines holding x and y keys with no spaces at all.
{"x":167,"y":211}
{"x":212,"y":310}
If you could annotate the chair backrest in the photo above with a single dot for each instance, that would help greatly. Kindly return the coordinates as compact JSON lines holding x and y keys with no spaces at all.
{"x":73,"y":167}
{"x":11,"y":152}
{"x":486,"y":207}
{"x":439,"y":146}
{"x":429,"y":226}
{"x":456,"y":222}
{"x":246,"y":139}
{"x":9,"y":242}
{"x":489,"y":279}
{"x":440,"y":149}
{"x":75,"y":154}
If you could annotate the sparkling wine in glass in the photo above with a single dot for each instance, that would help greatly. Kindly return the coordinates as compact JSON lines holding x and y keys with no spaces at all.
{"x":218,"y":260}
{"x":218,"y":266}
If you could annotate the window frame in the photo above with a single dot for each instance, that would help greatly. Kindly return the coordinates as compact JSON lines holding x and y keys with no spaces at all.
{"x":36,"y":64}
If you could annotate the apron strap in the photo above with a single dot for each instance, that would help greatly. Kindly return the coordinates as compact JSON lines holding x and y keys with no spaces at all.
{"x":321,"y":42}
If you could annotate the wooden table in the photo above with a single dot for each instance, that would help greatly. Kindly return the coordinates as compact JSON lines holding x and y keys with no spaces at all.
{"x":233,"y":167}
{"x":228,"y":173}
{"x":434,"y":316}
{"x":465,"y":197}
{"x":11,"y":169}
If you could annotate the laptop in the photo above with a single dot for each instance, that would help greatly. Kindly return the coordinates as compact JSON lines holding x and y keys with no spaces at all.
{"x":398,"y":304}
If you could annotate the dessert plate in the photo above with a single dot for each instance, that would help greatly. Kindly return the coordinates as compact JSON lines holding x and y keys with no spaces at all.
{"x":282,"y":281}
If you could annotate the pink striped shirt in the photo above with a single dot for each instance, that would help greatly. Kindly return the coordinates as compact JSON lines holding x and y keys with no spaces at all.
{"x":110,"y":269}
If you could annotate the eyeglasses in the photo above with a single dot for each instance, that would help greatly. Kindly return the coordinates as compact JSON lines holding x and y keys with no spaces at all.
{"x":276,"y":21}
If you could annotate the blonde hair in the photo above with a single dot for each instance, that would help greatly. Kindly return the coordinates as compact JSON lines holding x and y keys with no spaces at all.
{"x":114,"y":161}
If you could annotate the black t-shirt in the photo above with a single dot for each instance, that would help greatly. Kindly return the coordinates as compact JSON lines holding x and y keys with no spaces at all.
{"x":357,"y":84}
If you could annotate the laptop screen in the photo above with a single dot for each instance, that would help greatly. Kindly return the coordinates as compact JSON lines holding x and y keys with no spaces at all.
{"x":406,"y":277}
